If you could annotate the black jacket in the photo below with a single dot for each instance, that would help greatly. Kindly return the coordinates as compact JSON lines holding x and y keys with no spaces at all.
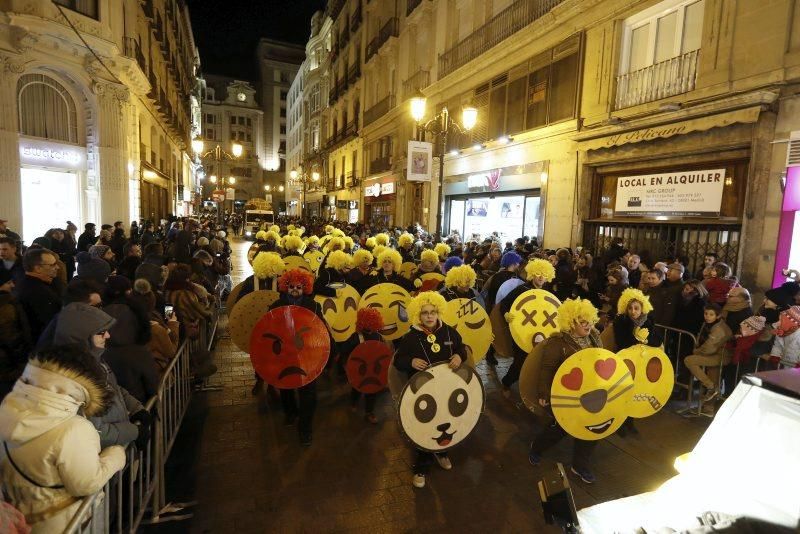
{"x":347,"y":346}
{"x":394,"y":278}
{"x":39,"y":300}
{"x":358,"y":280}
{"x":623,"y":332}
{"x":665,"y":303}
{"x":249,"y":285}
{"x":86,"y":240}
{"x":689,"y":315}
{"x":16,"y":272}
{"x":415,"y":344}
{"x":326,"y":276}
{"x":306,"y":301}
{"x":127,"y":353}
{"x":496,"y":281}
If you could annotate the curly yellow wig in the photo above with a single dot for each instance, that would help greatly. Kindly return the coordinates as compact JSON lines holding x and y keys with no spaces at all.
{"x":423,"y":299}
{"x":628,"y":296}
{"x":370,"y":243}
{"x":272,"y":235}
{"x":334,"y":243}
{"x":312,"y":240}
{"x":377,"y":250}
{"x":338,"y":259}
{"x":261,"y":235}
{"x":429,"y":256}
{"x":362,"y":257}
{"x":275,"y":228}
{"x":576,"y":310}
{"x":539,"y":267}
{"x":461,"y":276}
{"x":328,"y":228}
{"x":337,"y":233}
{"x":382,"y":239}
{"x":348,"y":242}
{"x":391,"y":255}
{"x":442,"y":249}
{"x":292,"y":243}
{"x":268,"y":265}
{"x":290,"y":228}
{"x":405,"y":239}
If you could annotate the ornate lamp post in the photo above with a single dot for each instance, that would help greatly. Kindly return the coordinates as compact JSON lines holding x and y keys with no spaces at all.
{"x":217,"y":155}
{"x":302,"y":178}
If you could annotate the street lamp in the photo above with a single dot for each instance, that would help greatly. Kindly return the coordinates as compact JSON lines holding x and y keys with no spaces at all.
{"x":236,"y":148}
{"x":440,"y":125}
{"x":212,"y":178}
{"x":218,"y":155}
{"x":301,"y":178}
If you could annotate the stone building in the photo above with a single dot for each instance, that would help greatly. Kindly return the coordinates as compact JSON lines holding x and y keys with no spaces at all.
{"x":98,"y":133}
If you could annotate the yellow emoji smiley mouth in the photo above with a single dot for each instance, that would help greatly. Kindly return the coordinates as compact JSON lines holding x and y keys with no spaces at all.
{"x":600,"y":428}
{"x":389,"y":329}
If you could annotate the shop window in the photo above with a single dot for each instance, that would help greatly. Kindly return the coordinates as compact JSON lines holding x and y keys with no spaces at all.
{"x":46,"y":109}
{"x":84,"y":7}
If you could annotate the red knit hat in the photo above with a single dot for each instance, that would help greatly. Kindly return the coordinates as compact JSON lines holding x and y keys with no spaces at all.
{"x":788,"y":322}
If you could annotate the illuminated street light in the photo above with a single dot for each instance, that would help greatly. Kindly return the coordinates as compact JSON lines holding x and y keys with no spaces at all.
{"x":315,"y":176}
{"x":280,"y":188}
{"x":212,"y":178}
{"x":267,"y":187}
{"x":417,"y":106}
{"x":293,"y":174}
{"x":236,"y":149}
{"x":197,"y":145}
{"x":469,"y":117}
{"x":231,"y":180}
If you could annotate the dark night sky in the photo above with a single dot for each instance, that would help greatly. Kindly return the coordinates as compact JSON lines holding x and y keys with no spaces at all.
{"x":226,"y":31}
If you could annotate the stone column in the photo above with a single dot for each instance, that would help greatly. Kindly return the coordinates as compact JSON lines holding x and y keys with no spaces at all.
{"x":112,"y":156}
{"x":10,"y":182}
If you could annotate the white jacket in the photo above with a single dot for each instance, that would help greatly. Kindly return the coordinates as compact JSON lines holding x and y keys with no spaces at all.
{"x":52,"y":445}
{"x":787,"y":348}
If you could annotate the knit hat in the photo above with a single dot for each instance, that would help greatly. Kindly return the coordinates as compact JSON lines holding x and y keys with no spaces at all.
{"x":780,"y":296}
{"x":788,"y":322}
{"x":510,"y":258}
{"x":98,"y":251}
{"x":92,"y":268}
{"x":754,"y":324}
{"x":117,"y":286}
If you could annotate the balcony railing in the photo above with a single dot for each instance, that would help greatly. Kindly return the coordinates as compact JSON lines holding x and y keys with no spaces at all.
{"x":668,"y":78}
{"x":352,"y":179}
{"x":389,"y":30}
{"x":335,"y":7}
{"x":412,"y":5}
{"x":333,"y":94}
{"x":355,"y":20}
{"x":134,"y":51}
{"x":379,"y":110}
{"x":380,"y":165}
{"x":353,"y":73}
{"x":418,"y":80}
{"x":502,"y":26}
{"x":147,"y":7}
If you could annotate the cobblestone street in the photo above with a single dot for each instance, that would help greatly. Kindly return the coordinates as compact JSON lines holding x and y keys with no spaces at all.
{"x":248,"y":473}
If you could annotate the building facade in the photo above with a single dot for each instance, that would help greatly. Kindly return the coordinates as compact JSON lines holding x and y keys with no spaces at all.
{"x":232,"y":115}
{"x":95,"y":134}
{"x":295,"y":141}
{"x":278,"y":63}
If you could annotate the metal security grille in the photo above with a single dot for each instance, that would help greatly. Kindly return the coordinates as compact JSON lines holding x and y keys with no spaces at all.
{"x":46,"y":109}
{"x":665,"y":242}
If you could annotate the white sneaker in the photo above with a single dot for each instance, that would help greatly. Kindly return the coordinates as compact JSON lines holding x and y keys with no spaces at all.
{"x":418,"y":481}
{"x":444,"y":462}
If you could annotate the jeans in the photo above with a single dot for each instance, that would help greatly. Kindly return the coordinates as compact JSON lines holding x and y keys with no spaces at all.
{"x":304,"y":410}
{"x":369,"y":400}
{"x":424,"y":460}
{"x":553,"y":433}
{"x":512,"y":375}
{"x":710,"y":376}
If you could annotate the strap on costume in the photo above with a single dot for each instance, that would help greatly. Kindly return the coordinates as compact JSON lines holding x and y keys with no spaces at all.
{"x":23,"y":475}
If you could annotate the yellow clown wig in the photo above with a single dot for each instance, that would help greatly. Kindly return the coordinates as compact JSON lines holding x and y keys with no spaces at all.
{"x":292,"y":243}
{"x":338,"y":260}
{"x":290,"y":228}
{"x":391,"y":255}
{"x":377,"y":250}
{"x":275,"y":228}
{"x":572,"y":311}
{"x":272,"y":235}
{"x":405,"y":239}
{"x":348,"y":242}
{"x":261,"y":235}
{"x":268,"y":265}
{"x":334,"y":243}
{"x":382,"y":239}
{"x":370,"y":243}
{"x":423,"y":299}
{"x":539,"y":267}
{"x":337,"y":233}
{"x":328,"y":228}
{"x":630,"y":295}
{"x":442,"y":249}
{"x":461,"y":276}
{"x":312,"y":240}
{"x":429,"y":256}
{"x":362,"y":258}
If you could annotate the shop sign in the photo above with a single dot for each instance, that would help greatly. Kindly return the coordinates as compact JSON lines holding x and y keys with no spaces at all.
{"x":420,"y":161}
{"x":49,"y":154}
{"x":218,"y":195}
{"x":683,"y":194}
{"x":230,"y":193}
{"x":341,"y":204}
{"x":483,"y":182}
{"x":353,"y":204}
{"x":373,"y":190}
{"x":387,"y":189}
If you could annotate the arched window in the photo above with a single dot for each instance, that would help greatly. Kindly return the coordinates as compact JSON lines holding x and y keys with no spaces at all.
{"x":46,"y":109}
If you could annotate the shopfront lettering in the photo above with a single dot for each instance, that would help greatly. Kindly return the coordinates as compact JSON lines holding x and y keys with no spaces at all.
{"x":644,"y":135}
{"x":672,"y":179}
{"x":51,"y":154}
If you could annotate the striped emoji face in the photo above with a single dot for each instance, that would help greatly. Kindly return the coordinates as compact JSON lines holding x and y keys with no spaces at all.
{"x":591,"y":393}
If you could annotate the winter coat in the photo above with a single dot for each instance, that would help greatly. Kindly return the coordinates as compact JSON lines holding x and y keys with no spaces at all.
{"x":665,"y":304}
{"x":15,"y":273}
{"x":712,"y":340}
{"x":624,"y":332}
{"x":718,"y":289}
{"x":249,"y":285}
{"x":689,"y":314}
{"x":787,"y":348}
{"x":555,"y":350}
{"x":57,"y":449}
{"x":76,"y":324}
{"x":328,"y":276}
{"x":14,"y":341}
{"x":127,"y":353}
{"x":414,"y":344}
{"x":163,"y":344}
{"x":86,"y":240}
{"x":40,"y":300}
{"x":494,"y":284}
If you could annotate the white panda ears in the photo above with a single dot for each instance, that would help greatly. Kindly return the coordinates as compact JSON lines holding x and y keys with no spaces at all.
{"x":464,"y":372}
{"x":419,"y":380}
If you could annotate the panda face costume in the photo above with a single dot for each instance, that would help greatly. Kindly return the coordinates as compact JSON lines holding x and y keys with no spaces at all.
{"x":439,"y":407}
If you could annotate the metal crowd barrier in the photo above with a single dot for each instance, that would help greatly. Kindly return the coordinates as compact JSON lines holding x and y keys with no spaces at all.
{"x":677,"y":345}
{"x":139,"y":488}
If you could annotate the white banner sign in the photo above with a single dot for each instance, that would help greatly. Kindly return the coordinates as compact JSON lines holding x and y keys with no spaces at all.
{"x":373,"y":190}
{"x":230,"y":193}
{"x":49,"y":154}
{"x":387,"y":189}
{"x":684,"y":194}
{"x":420,"y":161}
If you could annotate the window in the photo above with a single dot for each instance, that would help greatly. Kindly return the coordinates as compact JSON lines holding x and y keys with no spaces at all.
{"x":249,"y":138}
{"x":241,"y":121}
{"x":249,"y":121}
{"x":233,"y":119}
{"x":84,"y":7}
{"x":210,"y":118}
{"x":46,"y":109}
{"x":665,"y":31}
{"x":210,"y":134}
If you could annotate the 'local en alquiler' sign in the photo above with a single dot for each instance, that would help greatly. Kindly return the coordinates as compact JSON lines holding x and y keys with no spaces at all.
{"x":685,"y":194}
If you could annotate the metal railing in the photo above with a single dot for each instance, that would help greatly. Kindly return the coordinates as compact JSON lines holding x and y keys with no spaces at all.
{"x":378,"y":110}
{"x":389,"y":30}
{"x":380,"y":165}
{"x":141,"y":486}
{"x":355,"y":20}
{"x":672,"y":77}
{"x":412,"y":5}
{"x":502,"y":26}
{"x":415,"y":82}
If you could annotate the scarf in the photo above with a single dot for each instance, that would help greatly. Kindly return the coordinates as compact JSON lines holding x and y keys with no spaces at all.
{"x":640,"y":321}
{"x":583,"y":342}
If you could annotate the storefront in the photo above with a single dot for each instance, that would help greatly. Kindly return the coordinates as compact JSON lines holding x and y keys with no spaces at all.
{"x":155,"y":200}
{"x":347,"y":210}
{"x":505,"y":201}
{"x":787,"y":252}
{"x":380,"y":201}
{"x":51,"y":175}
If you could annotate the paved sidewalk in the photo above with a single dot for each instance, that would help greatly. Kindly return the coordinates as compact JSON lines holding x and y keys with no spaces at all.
{"x":248,"y":472}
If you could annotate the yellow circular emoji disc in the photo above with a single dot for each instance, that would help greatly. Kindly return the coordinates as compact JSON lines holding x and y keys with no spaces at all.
{"x":391,"y":301}
{"x":246,"y":313}
{"x":314,"y":259}
{"x":529,"y":381}
{"x":472,"y":323}
{"x":251,"y":253}
{"x":298,"y":262}
{"x":233,"y":296}
{"x":653,"y":379}
{"x":340,"y":312}
{"x":407,"y":269}
{"x":431,"y":338}
{"x":591,"y":394}
{"x":535,"y":318}
{"x":435,"y":348}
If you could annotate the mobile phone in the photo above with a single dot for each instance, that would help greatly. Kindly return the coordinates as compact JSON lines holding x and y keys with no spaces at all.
{"x":168,"y":311}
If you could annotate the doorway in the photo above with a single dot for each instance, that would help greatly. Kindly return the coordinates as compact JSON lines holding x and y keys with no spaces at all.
{"x":49,"y":200}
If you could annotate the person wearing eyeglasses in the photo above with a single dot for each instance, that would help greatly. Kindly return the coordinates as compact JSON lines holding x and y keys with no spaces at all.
{"x":39,"y":297}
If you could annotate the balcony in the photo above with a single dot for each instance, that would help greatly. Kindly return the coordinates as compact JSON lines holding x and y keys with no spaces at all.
{"x":389,"y":30}
{"x":353,"y":73}
{"x":352,"y":180}
{"x":333,"y":94}
{"x":502,"y":26}
{"x":380,"y":165}
{"x":134,"y":51}
{"x":412,"y":5}
{"x":379,"y":110}
{"x":344,"y":37}
{"x":151,"y":77}
{"x":147,"y":7}
{"x":417,"y":81}
{"x":335,"y":7}
{"x":355,"y":20}
{"x":672,"y":77}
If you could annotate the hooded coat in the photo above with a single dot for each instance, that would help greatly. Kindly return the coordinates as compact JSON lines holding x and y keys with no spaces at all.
{"x":56,"y":453}
{"x":76,"y":324}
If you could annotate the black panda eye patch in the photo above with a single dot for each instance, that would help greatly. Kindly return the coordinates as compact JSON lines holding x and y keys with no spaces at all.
{"x":458,"y":402}
{"x":425,"y":408}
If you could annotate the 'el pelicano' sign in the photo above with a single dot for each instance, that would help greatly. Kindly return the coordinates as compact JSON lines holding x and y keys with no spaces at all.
{"x":684,"y":194}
